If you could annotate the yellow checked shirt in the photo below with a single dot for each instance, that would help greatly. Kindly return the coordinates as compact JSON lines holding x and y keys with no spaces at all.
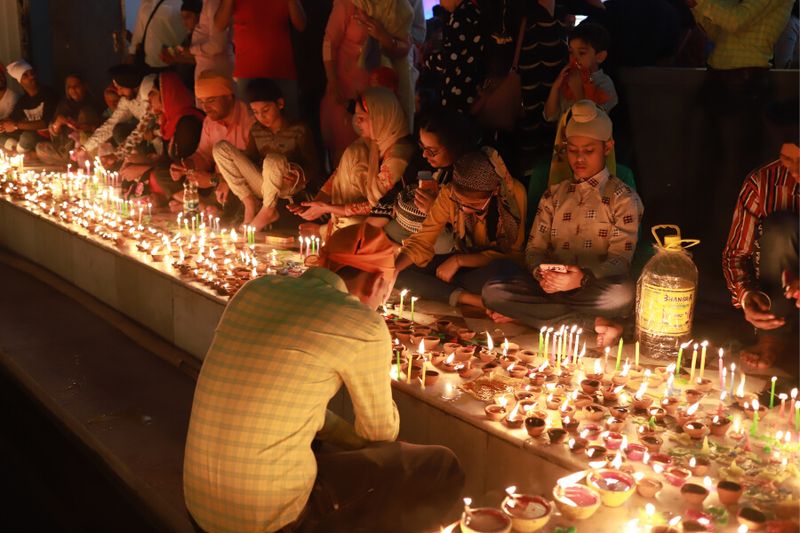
{"x":282,"y":349}
{"x":592,"y":224}
{"x":744,"y":32}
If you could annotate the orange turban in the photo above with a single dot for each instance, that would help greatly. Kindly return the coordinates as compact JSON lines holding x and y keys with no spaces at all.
{"x":210,"y":84}
{"x":360,"y":246}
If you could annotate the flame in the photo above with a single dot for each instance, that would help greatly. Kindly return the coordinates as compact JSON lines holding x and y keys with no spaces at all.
{"x":505,"y":346}
{"x":572,"y":479}
{"x":737,"y":424}
{"x":638,"y":476}
{"x":640,"y":393}
{"x":617,"y":462}
{"x":619,"y":389}
{"x":584,"y":433}
{"x":467,"y":502}
{"x":650,"y":509}
{"x":625,"y":368}
{"x":670,"y":369}
{"x":421,"y":347}
{"x":742,"y":529}
{"x":514,"y":412}
{"x":511,"y":490}
{"x":675,"y":521}
{"x":541,"y":368}
{"x":598,"y":368}
{"x":692,"y":409}
{"x":756,"y":405}
{"x":686,"y":344}
{"x":740,"y":388}
{"x":708,"y":482}
{"x":722,"y":396}
{"x":450,"y":359}
{"x":692,"y":462}
{"x":715,"y":420}
{"x":502,"y":401}
{"x":565,"y":405}
{"x":510,"y":367}
{"x":793,"y":394}
{"x":489,"y":342}
{"x":624,"y":445}
{"x":787,"y":438}
{"x":646,"y":457}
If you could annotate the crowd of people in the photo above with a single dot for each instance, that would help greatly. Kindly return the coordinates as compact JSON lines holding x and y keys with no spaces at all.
{"x":432,"y":139}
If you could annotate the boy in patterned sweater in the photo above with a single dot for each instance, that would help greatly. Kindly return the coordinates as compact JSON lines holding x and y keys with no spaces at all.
{"x":581,"y":243}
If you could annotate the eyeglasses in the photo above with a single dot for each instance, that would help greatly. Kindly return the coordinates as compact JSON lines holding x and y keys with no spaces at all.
{"x":469,"y":208}
{"x":428,"y":151}
{"x":208,"y":101}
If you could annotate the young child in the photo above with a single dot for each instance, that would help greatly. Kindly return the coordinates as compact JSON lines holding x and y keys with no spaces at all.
{"x":581,"y":79}
{"x":581,"y":243}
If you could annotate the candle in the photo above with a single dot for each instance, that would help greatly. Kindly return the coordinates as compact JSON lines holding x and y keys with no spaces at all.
{"x":793,"y":396}
{"x":754,"y":425}
{"x":704,"y":344}
{"x":694,"y":362}
{"x":797,"y":416}
{"x":636,"y":351}
{"x":424,"y":369}
{"x":577,"y":342}
{"x":782,"y":397}
{"x":680,"y":357}
{"x":402,"y":298}
{"x":547,"y":341}
{"x":397,"y":355}
{"x":772,"y":392}
{"x":605,"y":359}
{"x":619,"y":355}
{"x":413,"y":301}
{"x":541,"y":340}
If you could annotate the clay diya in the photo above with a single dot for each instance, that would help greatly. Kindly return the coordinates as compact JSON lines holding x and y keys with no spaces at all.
{"x":614,"y":424}
{"x":491,"y":365}
{"x":754,"y":519}
{"x":677,"y":476}
{"x":670,"y":405}
{"x":684,"y":415}
{"x":443,"y":326}
{"x":465,"y":370}
{"x":495,"y":412}
{"x":535,"y":425}
{"x":659,"y":462}
{"x":699,"y":466}
{"x":576,"y":502}
{"x":659,"y":413}
{"x":557,"y":435}
{"x":745,"y":398}
{"x":695,"y":429}
{"x":749,"y":411}
{"x":614,"y":487}
{"x":486,"y":356}
{"x":571,"y":424}
{"x":526,"y":356}
{"x":613,"y":440}
{"x":590,"y":386}
{"x":591,"y":431}
{"x":690,"y":526}
{"x":619,"y":412}
{"x":634,"y":451}
{"x":465,"y":353}
{"x":704,"y":385}
{"x":664,"y":529}
{"x":465,"y":334}
{"x":596,"y":452}
{"x":403,"y":334}
{"x":693,"y":396}
{"x":449,"y":363}
{"x":719,"y":426}
{"x":648,"y":487}
{"x":694,"y":494}
{"x":528,"y":513}
{"x":729,"y":492}
{"x":577,"y":445}
{"x":594,"y":412}
{"x":485,"y":520}
{"x":516,"y":370}
{"x":538,"y":379}
{"x":403,"y":323}
{"x":450,"y":347}
{"x":431,"y":377}
{"x":554,"y":402}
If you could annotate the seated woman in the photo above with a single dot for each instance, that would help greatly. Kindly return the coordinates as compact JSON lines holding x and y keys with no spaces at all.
{"x":485,"y":208}
{"x":169,"y":102}
{"x":280,"y":157}
{"x":370,"y":166}
{"x":443,"y":138}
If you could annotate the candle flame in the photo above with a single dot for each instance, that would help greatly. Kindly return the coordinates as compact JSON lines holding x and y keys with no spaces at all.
{"x":793,"y":394}
{"x":722,"y":396}
{"x":467,"y":502}
{"x":414,"y":299}
{"x":742,"y":529}
{"x":502,"y":401}
{"x":572,"y":479}
{"x":646,"y":457}
{"x":421,"y":347}
{"x":598,"y":368}
{"x":617,"y":462}
{"x":650,"y":509}
{"x":756,"y":405}
{"x":505,"y":346}
{"x":674,"y":521}
{"x":624,"y":445}
{"x":740,"y":389}
{"x":450,"y":359}
{"x":403,"y":295}
{"x":514,"y":412}
{"x":687,"y":344}
{"x":670,"y":369}
{"x":638,"y":476}
{"x":640,"y":393}
{"x":489,"y":342}
{"x":737,"y":424}
{"x":692,"y":462}
{"x":692,"y":409}
{"x":511,"y":490}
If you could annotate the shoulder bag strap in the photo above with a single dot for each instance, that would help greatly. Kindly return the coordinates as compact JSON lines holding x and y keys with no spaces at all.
{"x":518,"y":49}
{"x":149,"y":20}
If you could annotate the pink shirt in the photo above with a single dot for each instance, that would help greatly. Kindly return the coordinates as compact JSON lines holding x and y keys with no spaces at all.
{"x":235,"y":129}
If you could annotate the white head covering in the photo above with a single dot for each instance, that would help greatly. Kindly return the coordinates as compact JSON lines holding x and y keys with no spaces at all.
{"x":148,"y":82}
{"x":588,"y":120}
{"x":18,"y":68}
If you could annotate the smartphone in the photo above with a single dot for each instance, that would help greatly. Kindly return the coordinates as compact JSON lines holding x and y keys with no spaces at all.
{"x":561,"y":269}
{"x":426,"y":181}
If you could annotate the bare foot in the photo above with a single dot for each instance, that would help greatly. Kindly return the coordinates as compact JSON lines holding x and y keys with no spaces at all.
{"x":764,"y":352}
{"x":251,"y":206}
{"x":498,"y":318}
{"x":608,"y":332}
{"x":265,"y":217}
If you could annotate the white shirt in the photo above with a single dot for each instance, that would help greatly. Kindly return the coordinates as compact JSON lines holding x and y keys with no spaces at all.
{"x":7,"y":103}
{"x":212,"y":49}
{"x":126,"y":110}
{"x":165,"y":29}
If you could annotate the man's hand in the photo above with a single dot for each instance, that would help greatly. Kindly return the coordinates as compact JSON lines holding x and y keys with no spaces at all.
{"x":756,"y":307}
{"x":222,"y":192}
{"x":8,"y":126}
{"x":177,"y":171}
{"x":448,"y":269}
{"x":373,"y":26}
{"x":553,"y":282}
{"x":314,"y":210}
{"x":793,"y":292}
{"x":562,"y":77}
{"x":423,"y":200}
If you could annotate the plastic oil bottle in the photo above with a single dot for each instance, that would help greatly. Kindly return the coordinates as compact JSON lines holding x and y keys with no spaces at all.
{"x":665,"y":296}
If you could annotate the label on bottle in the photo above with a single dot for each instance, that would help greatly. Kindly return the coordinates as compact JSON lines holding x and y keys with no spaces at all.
{"x":665,"y":311}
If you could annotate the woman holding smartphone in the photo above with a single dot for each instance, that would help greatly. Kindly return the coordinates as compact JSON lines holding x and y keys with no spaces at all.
{"x":443,"y":138}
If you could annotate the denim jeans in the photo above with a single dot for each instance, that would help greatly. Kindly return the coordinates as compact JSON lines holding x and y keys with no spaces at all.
{"x":778,"y":252}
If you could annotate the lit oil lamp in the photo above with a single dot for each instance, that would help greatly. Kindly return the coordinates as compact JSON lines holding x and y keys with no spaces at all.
{"x":528,"y":512}
{"x":615,"y":487}
{"x":574,"y":501}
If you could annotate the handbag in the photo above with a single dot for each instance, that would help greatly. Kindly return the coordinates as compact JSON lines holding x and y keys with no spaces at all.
{"x":499,"y":102}
{"x":139,"y":56}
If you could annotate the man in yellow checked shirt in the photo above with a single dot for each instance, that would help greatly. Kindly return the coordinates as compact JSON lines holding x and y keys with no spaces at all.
{"x":282,"y":350}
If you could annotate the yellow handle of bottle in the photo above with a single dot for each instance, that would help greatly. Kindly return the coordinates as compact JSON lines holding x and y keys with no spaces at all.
{"x":675,"y":243}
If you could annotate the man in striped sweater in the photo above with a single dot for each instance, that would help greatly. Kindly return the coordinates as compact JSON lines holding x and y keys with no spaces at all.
{"x":760,"y":259}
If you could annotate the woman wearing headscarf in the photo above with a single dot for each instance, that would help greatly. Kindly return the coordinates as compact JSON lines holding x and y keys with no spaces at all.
{"x":169,"y":101}
{"x":362,"y":36}
{"x":485,"y":209}
{"x":370,"y":166}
